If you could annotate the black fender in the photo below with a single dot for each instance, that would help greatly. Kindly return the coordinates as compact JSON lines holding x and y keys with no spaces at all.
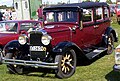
{"x":14,"y":46}
{"x":107,"y":33}
{"x":11,"y":46}
{"x":62,"y":46}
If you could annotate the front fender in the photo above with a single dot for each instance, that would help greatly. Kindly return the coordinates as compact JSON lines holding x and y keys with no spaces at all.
{"x":62,"y":46}
{"x":11,"y":46}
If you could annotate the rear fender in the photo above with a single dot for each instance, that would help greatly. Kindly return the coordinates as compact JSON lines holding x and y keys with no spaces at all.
{"x":107,"y":33}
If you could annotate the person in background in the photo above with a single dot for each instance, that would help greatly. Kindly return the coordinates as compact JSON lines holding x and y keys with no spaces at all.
{"x":1,"y":15}
{"x":40,"y":13}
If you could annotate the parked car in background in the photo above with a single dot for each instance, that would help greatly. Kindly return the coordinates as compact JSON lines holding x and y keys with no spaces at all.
{"x":112,"y":9}
{"x":69,"y":36}
{"x":117,"y":59}
{"x":10,"y":30}
{"x":117,"y":9}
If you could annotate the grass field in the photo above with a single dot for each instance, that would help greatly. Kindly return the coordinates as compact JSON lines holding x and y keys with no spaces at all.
{"x":99,"y":70}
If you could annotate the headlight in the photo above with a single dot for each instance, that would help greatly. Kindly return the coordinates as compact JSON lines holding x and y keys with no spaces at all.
{"x":117,"y":55}
{"x":46,"y":39}
{"x":22,"y":39}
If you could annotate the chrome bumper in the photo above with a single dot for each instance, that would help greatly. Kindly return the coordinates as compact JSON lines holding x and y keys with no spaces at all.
{"x":116,"y":67}
{"x":35,"y":64}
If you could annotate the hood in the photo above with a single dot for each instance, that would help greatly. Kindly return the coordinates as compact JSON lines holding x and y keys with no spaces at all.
{"x":57,"y":28}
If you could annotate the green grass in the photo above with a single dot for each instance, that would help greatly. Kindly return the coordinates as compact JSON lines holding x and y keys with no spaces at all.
{"x":99,"y":70}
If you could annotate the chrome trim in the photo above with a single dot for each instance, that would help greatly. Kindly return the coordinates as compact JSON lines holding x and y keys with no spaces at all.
{"x":30,"y":63}
{"x":116,"y":67}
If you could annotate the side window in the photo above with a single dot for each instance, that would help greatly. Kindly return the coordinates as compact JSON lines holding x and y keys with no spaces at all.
{"x":106,"y":13}
{"x":99,"y":14}
{"x":87,"y":15}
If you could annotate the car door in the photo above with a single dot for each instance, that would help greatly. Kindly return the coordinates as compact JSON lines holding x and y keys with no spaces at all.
{"x":86,"y":36}
{"x":101,"y":23}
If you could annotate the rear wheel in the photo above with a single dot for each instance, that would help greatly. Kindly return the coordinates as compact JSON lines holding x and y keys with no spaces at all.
{"x":13,"y":68}
{"x":110,"y":45}
{"x":67,"y":64}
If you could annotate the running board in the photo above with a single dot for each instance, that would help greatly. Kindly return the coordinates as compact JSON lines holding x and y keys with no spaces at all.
{"x":96,"y":52}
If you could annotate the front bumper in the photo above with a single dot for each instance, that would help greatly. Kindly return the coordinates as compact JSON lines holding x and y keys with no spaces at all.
{"x":116,"y":67}
{"x":35,"y":64}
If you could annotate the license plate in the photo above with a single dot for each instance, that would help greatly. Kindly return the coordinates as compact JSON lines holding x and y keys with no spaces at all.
{"x":37,"y":48}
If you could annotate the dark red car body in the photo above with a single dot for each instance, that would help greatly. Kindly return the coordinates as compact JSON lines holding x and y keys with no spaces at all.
{"x":7,"y":36}
{"x":71,"y":33}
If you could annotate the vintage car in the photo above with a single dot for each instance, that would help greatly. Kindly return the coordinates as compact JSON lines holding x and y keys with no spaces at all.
{"x":117,"y":11}
{"x":117,"y":59}
{"x":10,"y":30}
{"x":71,"y":33}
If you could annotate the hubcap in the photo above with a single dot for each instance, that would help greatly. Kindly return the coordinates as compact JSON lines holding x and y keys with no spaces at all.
{"x":67,"y":63}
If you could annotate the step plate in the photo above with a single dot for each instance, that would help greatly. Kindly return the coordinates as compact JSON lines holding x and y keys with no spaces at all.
{"x":95,"y":52}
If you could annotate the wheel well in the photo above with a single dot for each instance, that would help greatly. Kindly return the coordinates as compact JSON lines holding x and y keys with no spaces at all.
{"x":79,"y":54}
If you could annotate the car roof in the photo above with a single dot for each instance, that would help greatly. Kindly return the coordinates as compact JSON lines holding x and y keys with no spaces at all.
{"x":22,"y":21}
{"x":76,"y":6}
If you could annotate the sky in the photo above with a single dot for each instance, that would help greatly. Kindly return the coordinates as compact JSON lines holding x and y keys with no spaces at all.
{"x":10,"y":2}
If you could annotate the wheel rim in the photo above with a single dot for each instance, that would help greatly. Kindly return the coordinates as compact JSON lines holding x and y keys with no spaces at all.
{"x":67,"y":63}
{"x":110,"y":45}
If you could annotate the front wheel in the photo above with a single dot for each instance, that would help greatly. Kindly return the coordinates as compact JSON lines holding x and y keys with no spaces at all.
{"x":110,"y":45}
{"x":66,"y":64}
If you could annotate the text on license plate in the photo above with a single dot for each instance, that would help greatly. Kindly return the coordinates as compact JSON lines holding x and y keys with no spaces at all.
{"x":37,"y":48}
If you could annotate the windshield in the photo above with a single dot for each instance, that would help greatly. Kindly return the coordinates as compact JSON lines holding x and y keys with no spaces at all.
{"x":60,"y":16}
{"x":13,"y":27}
{"x":29,"y":26}
{"x":6,"y":26}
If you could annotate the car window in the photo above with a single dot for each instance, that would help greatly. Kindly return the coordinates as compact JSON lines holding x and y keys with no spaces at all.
{"x":99,"y":14}
{"x":61,"y":16}
{"x":29,"y":26}
{"x":118,"y":6}
{"x":9,"y":27}
{"x":87,"y":15}
{"x":106,"y":12}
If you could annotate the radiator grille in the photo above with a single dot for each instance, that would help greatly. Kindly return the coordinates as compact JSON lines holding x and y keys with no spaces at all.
{"x":35,"y":40}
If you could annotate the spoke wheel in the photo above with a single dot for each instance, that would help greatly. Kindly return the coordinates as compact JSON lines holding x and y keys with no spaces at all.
{"x":67,"y":64}
{"x":110,"y":44}
{"x":13,"y":68}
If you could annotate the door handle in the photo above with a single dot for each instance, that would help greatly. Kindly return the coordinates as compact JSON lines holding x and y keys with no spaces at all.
{"x":96,"y":26}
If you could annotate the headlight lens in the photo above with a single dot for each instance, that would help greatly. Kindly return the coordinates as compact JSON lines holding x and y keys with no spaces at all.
{"x":22,"y":39}
{"x":46,"y":39}
{"x":117,"y":55}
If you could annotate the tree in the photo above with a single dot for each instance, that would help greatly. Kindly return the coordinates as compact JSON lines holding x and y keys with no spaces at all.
{"x":109,"y":1}
{"x":97,"y":1}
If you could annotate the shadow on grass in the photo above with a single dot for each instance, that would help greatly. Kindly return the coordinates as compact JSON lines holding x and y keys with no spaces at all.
{"x":40,"y":72}
{"x":113,"y":76}
{"x":86,"y":62}
{"x":43,"y":75}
